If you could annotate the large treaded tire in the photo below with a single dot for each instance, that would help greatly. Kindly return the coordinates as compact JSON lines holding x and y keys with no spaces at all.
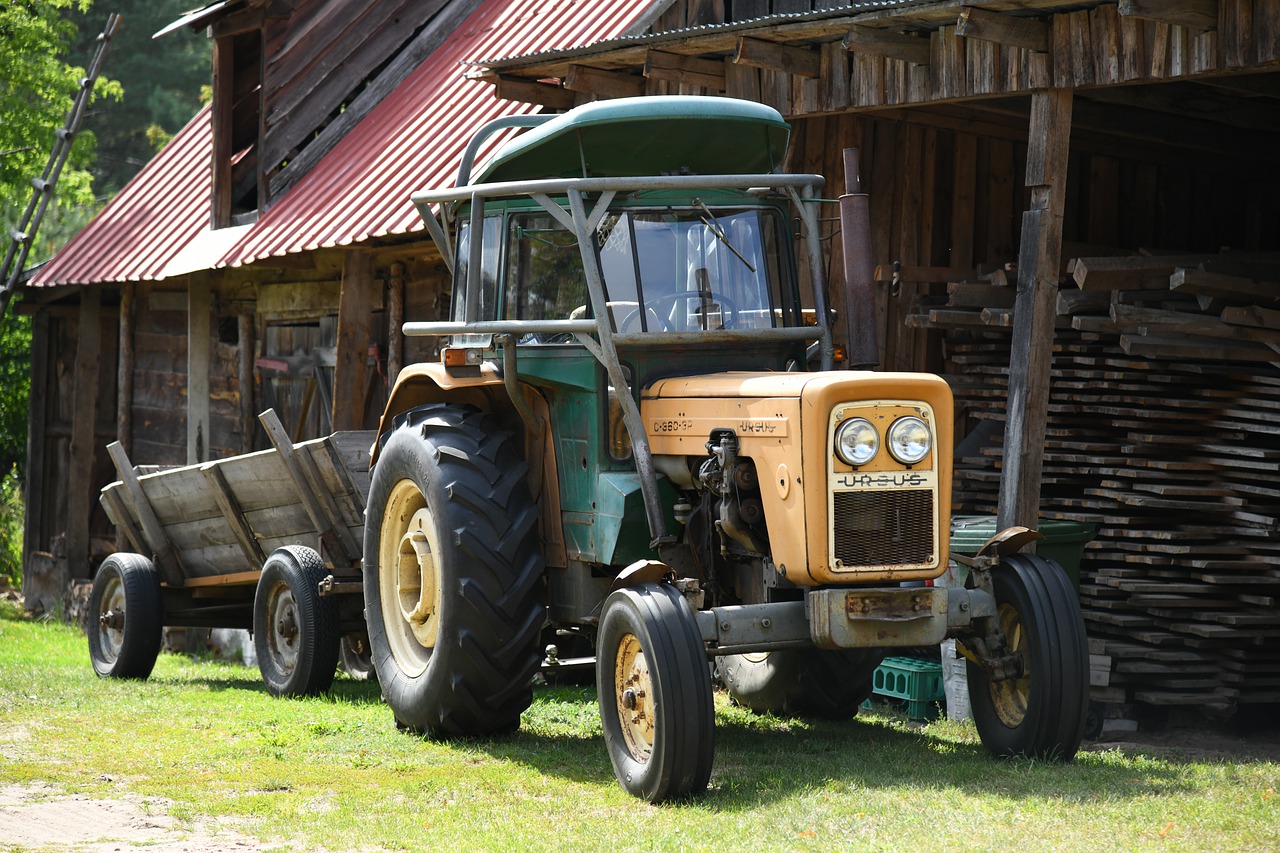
{"x":453,"y":573}
{"x":126,"y":617}
{"x":824,"y":683}
{"x":654,"y":687}
{"x":1043,"y":713}
{"x":295,"y":628}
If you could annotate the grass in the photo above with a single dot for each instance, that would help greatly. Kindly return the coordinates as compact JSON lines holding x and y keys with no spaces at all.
{"x":334,"y":773}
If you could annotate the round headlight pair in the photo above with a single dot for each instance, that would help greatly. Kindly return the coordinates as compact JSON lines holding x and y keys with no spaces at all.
{"x":857,"y":441}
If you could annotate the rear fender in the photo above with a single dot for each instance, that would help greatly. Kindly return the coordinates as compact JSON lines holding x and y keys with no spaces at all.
{"x":429,"y":382}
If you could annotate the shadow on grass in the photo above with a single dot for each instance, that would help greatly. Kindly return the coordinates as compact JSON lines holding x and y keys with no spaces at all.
{"x":762,"y":758}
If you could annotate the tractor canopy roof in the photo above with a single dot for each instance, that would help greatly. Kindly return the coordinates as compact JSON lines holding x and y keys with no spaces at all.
{"x":657,"y":135}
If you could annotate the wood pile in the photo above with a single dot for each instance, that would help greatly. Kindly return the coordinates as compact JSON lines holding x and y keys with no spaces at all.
{"x":1163,"y":430}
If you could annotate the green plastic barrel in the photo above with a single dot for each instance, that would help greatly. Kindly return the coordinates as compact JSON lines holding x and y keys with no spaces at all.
{"x":1063,"y":541}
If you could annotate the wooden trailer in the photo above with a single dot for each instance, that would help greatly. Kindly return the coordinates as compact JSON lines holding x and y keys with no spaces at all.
{"x":268,"y":541}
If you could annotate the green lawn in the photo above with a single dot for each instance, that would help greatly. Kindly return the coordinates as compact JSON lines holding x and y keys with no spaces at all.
{"x":335,"y":773}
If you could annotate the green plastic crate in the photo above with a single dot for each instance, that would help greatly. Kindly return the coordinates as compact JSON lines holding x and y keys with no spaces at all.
{"x":917,"y":681}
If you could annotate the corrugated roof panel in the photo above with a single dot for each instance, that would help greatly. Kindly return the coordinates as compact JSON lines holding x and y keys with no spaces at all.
{"x":150,"y":221}
{"x":415,"y":137}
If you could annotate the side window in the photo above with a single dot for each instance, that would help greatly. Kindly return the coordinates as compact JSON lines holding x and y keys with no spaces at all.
{"x":484,"y":303}
{"x":544,"y":279}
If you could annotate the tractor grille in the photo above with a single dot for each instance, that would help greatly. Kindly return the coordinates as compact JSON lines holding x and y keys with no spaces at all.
{"x":883,"y":528}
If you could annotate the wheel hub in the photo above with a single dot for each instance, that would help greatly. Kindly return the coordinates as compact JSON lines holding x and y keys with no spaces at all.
{"x":408,"y":578}
{"x":1010,"y":696}
{"x":111,"y":620}
{"x":282,"y":616}
{"x":635,"y":703}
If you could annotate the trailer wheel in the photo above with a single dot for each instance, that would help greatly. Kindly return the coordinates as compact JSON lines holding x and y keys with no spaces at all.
{"x":1042,"y":713}
{"x":355,"y":658}
{"x":453,"y":574}
{"x":126,"y":617}
{"x":295,"y":628}
{"x":654,"y":687}
{"x":830,"y":684}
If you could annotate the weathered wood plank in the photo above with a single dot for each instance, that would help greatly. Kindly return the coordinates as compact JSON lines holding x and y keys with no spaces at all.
{"x":233,"y":514}
{"x":801,"y":61}
{"x":355,"y":326}
{"x":199,"y":311}
{"x":1026,"y":33}
{"x":80,"y":484}
{"x":167,"y":561}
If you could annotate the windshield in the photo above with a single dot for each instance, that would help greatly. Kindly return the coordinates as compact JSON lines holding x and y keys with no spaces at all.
{"x":665,"y":269}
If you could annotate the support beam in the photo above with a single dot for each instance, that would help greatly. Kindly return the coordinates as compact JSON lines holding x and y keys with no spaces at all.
{"x":1027,"y":33}
{"x":80,"y":485}
{"x":199,"y":307}
{"x":165,"y":557}
{"x":532,"y":92}
{"x":355,"y":326}
{"x":1035,"y":307}
{"x":685,"y":70}
{"x":604,"y":84}
{"x":875,"y":42}
{"x":758,"y":53}
{"x":395,"y":320}
{"x":1198,"y":15}
{"x":245,"y":339}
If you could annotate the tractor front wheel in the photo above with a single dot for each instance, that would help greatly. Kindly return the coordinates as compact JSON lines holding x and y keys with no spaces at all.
{"x":452,"y":574}
{"x":654,"y":685}
{"x":1041,"y":713}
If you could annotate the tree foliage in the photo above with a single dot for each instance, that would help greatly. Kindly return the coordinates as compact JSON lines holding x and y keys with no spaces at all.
{"x":162,"y":80}
{"x":37,"y":89}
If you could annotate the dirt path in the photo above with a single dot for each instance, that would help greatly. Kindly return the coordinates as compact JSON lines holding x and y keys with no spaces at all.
{"x":42,"y":816}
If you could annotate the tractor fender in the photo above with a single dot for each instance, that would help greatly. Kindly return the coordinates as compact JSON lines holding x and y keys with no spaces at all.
{"x":1011,"y":540}
{"x":429,"y":382}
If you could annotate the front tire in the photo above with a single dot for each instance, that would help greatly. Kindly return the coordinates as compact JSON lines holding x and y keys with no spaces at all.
{"x":295,"y":628}
{"x":125,"y":617}
{"x":824,"y":683}
{"x":654,"y":685}
{"x":452,"y":574}
{"x":1042,"y":713}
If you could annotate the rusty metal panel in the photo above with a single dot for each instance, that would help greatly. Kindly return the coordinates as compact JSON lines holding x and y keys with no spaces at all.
{"x":149,"y":222}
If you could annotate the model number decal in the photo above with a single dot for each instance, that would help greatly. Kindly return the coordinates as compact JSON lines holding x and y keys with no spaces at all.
{"x":897,"y":480}
{"x":672,"y":426}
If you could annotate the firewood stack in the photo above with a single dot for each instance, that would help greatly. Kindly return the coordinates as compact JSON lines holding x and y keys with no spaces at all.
{"x":1164,"y":430}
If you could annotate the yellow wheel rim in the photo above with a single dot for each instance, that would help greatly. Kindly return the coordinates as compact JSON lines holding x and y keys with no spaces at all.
{"x":634,"y":698}
{"x":1010,"y":696}
{"x":408,"y":578}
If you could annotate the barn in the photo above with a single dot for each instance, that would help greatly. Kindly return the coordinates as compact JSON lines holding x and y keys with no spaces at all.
{"x":1075,"y":219}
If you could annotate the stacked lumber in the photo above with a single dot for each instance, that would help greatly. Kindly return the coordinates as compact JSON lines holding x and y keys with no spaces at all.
{"x":1163,"y":431}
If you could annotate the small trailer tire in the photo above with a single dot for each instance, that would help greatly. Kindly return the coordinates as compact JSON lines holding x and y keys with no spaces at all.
{"x":126,"y":617}
{"x":654,"y":688}
{"x":1041,"y":714}
{"x":295,"y":628}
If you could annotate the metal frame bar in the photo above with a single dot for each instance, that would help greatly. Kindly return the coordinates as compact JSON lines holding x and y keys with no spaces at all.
{"x":800,"y":188}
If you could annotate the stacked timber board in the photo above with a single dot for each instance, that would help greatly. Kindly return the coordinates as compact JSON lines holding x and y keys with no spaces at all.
{"x":1163,"y":431}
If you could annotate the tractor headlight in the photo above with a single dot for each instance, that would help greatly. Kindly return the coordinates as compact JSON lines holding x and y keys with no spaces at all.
{"x":909,"y":440}
{"x":857,"y":441}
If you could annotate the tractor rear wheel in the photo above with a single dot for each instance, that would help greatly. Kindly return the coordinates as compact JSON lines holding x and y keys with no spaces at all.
{"x":815,"y":682}
{"x":1042,"y":712}
{"x":125,"y":617}
{"x":654,"y":686}
{"x":453,"y":573}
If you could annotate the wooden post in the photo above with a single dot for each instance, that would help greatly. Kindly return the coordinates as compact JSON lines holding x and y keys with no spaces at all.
{"x":81,"y":489}
{"x":395,"y":322}
{"x":35,"y":524}
{"x":246,"y":342}
{"x":124,"y":375}
{"x":198,"y":308}
{"x":355,"y":322}
{"x":1048,"y":144}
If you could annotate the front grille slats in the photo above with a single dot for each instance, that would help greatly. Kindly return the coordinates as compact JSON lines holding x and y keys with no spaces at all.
{"x":883,"y":528}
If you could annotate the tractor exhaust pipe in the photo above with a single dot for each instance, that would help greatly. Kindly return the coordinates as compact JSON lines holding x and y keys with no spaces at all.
{"x":859,"y":272}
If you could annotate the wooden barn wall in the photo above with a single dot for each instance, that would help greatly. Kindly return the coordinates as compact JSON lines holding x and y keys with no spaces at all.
{"x":947,"y":204}
{"x":51,"y":472}
{"x":320,"y":56}
{"x":158,"y":407}
{"x":1088,"y":48}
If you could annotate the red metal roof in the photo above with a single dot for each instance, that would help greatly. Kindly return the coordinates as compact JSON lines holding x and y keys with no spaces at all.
{"x":412,"y":140}
{"x":154,"y":217}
